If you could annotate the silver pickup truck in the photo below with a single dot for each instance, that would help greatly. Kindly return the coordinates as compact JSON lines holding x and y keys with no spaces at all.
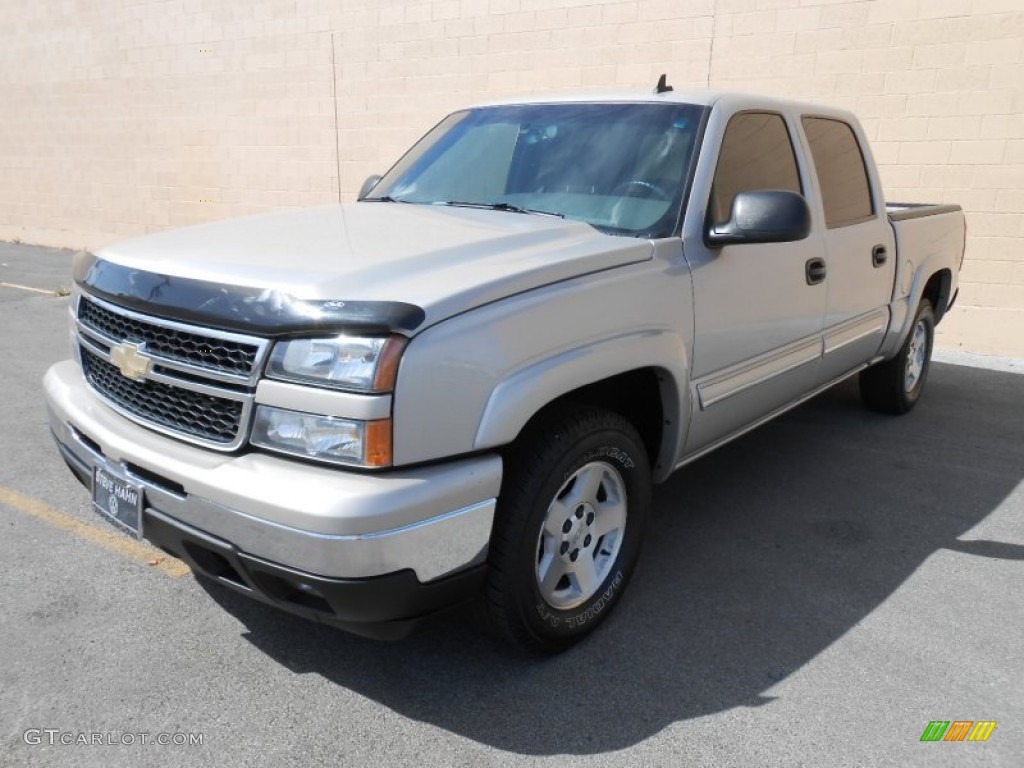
{"x":466,"y":382}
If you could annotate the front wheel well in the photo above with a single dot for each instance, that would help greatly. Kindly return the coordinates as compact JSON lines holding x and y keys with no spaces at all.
{"x":635,"y":395}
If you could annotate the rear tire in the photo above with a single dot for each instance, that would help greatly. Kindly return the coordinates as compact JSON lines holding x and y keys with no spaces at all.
{"x":895,"y":385}
{"x":571,"y":517}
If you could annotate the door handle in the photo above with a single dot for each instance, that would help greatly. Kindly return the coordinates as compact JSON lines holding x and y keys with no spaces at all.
{"x":815,"y":270}
{"x":879,"y":255}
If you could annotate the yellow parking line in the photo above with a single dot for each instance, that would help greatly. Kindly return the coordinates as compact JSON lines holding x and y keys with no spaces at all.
{"x":26,"y":288}
{"x":108,"y":539}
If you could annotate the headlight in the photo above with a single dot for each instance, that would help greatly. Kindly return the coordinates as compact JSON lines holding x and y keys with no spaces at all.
{"x":365,"y":364}
{"x":328,"y":438}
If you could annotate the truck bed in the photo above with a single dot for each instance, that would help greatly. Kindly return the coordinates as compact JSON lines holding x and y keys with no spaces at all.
{"x":904,"y":211}
{"x":929,"y":238}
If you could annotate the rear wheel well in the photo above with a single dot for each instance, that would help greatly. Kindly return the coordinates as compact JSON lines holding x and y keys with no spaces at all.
{"x":936,"y":290}
{"x":634,"y":395}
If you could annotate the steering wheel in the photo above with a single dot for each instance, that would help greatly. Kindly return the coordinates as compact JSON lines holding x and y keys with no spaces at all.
{"x":653,"y":190}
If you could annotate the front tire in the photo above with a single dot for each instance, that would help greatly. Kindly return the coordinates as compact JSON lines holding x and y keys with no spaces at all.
{"x":895,"y":385}
{"x":571,"y":518}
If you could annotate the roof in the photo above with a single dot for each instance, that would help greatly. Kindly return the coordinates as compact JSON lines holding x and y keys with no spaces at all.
{"x":699,"y":96}
{"x":702,"y":97}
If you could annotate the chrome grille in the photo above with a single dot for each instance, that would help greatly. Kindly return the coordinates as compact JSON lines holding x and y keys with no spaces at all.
{"x":193,"y":413}
{"x":201,"y":350}
{"x":200,"y":382}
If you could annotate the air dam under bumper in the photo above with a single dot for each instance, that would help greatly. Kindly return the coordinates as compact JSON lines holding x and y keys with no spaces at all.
{"x":399,"y":544}
{"x":384,"y":607}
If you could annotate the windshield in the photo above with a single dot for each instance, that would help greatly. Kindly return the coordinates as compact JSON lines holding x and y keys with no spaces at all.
{"x":619,"y":167}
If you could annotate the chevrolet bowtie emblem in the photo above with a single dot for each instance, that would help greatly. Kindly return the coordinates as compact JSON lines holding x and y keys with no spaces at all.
{"x":130,"y":361}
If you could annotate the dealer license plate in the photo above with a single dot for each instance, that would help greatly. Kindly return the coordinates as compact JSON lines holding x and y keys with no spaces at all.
{"x":118,"y":500}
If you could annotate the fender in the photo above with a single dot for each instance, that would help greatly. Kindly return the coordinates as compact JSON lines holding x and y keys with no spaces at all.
{"x":910,"y":288}
{"x":520,"y":396}
{"x":904,"y":309}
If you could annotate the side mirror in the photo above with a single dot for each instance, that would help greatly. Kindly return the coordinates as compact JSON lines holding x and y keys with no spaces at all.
{"x":762,"y":216}
{"x":368,"y":185}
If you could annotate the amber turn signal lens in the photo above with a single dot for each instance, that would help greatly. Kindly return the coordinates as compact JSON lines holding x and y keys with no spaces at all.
{"x":387,"y":365}
{"x":378,"y":443}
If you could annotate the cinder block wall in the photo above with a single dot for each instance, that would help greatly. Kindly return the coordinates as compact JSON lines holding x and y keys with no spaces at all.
{"x":119,"y":117}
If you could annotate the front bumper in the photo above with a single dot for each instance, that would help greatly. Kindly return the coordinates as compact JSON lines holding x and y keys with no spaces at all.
{"x":262,"y":514}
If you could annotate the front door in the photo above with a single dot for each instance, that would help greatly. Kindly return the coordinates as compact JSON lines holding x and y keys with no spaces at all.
{"x":757,"y":314}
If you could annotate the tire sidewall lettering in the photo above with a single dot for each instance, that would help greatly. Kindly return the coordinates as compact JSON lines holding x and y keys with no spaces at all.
{"x":580,"y":617}
{"x":617,"y":455}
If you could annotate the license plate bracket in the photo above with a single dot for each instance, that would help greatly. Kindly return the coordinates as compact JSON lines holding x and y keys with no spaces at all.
{"x":118,"y":500}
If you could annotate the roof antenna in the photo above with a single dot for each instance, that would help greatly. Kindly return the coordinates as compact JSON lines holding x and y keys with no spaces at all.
{"x":662,"y":86}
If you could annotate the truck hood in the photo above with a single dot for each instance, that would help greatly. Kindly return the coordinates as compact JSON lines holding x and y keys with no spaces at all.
{"x":398,"y":265}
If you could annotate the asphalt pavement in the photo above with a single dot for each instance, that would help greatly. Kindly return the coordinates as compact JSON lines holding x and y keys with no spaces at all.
{"x":814,"y":593}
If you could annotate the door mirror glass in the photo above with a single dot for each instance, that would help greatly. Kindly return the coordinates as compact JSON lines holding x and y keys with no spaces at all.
{"x":368,"y":185}
{"x":762,"y":216}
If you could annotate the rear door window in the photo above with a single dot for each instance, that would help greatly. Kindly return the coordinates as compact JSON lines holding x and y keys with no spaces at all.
{"x":842,"y":176}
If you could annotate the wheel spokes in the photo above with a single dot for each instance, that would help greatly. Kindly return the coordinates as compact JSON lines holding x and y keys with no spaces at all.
{"x":587,"y":485}
{"x":584,"y":573}
{"x":589,"y":509}
{"x":917,"y":351}
{"x":551,"y":570}
{"x":610,"y":517}
{"x":558,"y":511}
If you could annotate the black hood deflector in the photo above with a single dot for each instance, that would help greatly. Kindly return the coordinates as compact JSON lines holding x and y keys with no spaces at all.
{"x":262,"y":311}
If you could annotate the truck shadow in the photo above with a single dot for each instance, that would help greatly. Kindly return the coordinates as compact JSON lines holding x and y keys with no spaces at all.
{"x":760,"y":556}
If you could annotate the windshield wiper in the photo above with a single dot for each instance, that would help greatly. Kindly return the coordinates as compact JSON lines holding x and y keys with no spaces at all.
{"x":501,"y":206}
{"x":384,"y":199}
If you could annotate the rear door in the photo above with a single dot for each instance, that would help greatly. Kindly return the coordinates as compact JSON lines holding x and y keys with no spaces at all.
{"x":757,"y":319}
{"x":859,"y":244}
